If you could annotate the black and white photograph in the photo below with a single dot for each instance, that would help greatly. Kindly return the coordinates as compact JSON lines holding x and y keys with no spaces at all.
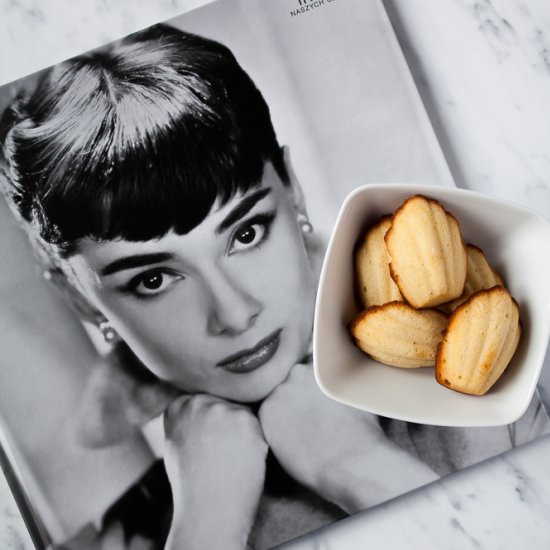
{"x":167,"y":200}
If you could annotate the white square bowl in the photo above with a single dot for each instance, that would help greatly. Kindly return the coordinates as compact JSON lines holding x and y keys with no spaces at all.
{"x":516,"y":242}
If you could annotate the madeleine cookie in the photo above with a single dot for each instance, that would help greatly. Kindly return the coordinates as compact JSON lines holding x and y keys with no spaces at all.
{"x":374,"y":283}
{"x":479,"y":275}
{"x":480,"y":339}
{"x":398,"y":335}
{"x":428,"y":256}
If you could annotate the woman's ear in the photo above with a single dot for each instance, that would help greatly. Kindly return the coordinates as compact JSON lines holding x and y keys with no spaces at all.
{"x":294,"y":188}
{"x":81,"y":305}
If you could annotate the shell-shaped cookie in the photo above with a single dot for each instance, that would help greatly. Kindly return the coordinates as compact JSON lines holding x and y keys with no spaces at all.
{"x":374,"y":283}
{"x":479,"y":275}
{"x":428,"y":255}
{"x":479,"y":342}
{"x":396,"y":334}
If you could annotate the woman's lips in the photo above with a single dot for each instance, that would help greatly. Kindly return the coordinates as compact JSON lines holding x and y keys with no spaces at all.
{"x":250,"y":359}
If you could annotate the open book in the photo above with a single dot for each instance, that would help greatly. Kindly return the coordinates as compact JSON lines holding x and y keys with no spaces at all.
{"x":344,"y":106}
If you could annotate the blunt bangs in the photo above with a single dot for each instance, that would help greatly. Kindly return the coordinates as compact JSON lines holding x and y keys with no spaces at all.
{"x":139,"y":139}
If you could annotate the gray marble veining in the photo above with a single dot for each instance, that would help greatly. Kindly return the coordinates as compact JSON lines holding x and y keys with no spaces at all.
{"x":483,"y":70}
{"x":13,"y":533}
{"x":501,"y":503}
{"x":35,"y":35}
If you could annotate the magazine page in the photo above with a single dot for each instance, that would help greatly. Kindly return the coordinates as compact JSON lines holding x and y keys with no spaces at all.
{"x":167,"y":203}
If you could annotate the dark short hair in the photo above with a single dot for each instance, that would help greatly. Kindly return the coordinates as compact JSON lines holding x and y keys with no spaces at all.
{"x":136,"y":139}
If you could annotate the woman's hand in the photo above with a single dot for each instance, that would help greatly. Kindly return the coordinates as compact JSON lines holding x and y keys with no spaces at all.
{"x":339,"y":452}
{"x":215,"y":460}
{"x":114,"y":538}
{"x":120,"y":397}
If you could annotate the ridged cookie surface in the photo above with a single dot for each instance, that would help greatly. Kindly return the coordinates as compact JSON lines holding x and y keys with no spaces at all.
{"x":479,"y":342}
{"x":374,"y":283}
{"x":428,"y":256}
{"x":397,"y":334}
{"x":479,"y":275}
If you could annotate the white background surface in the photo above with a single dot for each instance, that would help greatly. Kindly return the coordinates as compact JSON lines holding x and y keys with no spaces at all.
{"x":483,"y":70}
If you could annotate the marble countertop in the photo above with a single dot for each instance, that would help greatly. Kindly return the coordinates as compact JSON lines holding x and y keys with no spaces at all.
{"x":483,"y":70}
{"x":502,"y":503}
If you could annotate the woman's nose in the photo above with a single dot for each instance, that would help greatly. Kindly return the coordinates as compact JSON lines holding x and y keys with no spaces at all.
{"x":233,"y":309}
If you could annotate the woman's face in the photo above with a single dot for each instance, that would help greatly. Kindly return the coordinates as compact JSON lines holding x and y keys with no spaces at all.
{"x":226,"y":309}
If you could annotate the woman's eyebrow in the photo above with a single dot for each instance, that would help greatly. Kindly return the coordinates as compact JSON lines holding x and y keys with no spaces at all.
{"x":246,"y":204}
{"x":137,"y":260}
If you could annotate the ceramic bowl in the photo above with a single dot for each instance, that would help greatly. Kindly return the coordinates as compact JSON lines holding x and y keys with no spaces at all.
{"x":516,"y":242}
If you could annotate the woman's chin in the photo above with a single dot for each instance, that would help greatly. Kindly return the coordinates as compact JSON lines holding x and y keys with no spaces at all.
{"x":252,"y":395}
{"x":255,"y":390}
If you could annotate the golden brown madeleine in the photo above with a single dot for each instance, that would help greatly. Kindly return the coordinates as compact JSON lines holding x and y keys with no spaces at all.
{"x":397,"y":334}
{"x":479,"y":275}
{"x":479,"y":342}
{"x":427,"y":253}
{"x":374,"y":283}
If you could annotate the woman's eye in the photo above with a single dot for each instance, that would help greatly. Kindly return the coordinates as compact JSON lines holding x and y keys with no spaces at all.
{"x":251,"y":233}
{"x":152,"y":283}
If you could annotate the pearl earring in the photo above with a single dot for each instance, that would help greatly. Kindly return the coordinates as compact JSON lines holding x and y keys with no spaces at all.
{"x":304,"y":223}
{"x":108,"y":332}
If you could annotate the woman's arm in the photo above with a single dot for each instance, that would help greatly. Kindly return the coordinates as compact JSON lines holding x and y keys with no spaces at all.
{"x":337,"y":451}
{"x":215,"y":460}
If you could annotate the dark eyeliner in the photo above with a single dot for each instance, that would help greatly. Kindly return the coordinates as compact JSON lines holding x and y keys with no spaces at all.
{"x":131,"y":286}
{"x":265,"y":219}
